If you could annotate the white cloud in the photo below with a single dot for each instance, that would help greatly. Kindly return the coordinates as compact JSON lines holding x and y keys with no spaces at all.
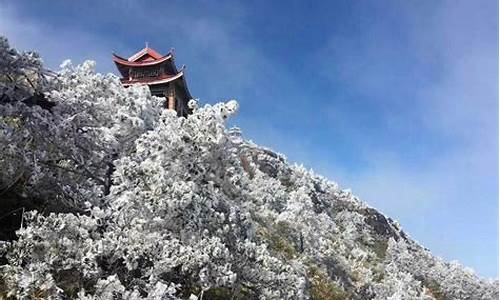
{"x":448,"y":198}
{"x":54,"y":44}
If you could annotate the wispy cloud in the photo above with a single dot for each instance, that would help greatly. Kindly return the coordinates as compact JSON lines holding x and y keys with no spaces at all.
{"x":55,"y":43}
{"x":437,"y":157}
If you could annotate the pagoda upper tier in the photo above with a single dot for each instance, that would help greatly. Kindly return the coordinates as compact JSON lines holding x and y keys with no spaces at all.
{"x":158,"y":72}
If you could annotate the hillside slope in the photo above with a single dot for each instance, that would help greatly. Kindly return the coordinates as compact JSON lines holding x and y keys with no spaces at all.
{"x":123,"y":200}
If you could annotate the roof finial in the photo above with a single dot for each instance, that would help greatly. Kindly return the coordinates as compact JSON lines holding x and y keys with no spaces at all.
{"x":147,"y":45}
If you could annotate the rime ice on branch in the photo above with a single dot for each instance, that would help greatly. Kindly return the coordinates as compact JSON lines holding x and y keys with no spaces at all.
{"x":162,"y":207}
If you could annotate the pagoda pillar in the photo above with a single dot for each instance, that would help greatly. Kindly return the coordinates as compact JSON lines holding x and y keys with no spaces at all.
{"x":171,"y":102}
{"x":171,"y":98}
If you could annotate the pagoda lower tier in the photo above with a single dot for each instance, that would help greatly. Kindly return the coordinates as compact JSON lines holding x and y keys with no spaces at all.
{"x":159,"y":73}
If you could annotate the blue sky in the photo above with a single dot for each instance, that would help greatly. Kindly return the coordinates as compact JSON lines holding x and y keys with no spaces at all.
{"x":397,"y":100}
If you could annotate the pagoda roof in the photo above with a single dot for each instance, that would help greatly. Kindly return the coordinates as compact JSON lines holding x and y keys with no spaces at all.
{"x":149,"y":57}
{"x":154,"y":81}
{"x":146,"y":51}
{"x":127,"y":62}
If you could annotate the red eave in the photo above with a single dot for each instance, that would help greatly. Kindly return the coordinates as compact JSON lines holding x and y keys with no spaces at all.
{"x":117,"y":59}
{"x":153,"y":81}
{"x":143,"y":52}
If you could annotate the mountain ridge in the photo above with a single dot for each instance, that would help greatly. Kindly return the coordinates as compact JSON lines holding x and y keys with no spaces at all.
{"x":122,"y":199}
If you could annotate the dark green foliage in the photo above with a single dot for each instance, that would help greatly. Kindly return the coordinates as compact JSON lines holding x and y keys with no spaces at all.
{"x":281,"y":239}
{"x":380,"y":248}
{"x":435,"y":290}
{"x":322,"y":287}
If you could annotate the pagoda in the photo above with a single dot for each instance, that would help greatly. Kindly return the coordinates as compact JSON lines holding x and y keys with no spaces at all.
{"x":148,"y":67}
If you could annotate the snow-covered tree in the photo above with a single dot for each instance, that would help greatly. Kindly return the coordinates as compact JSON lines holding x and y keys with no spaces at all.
{"x":63,"y":156}
{"x":125,"y":200}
